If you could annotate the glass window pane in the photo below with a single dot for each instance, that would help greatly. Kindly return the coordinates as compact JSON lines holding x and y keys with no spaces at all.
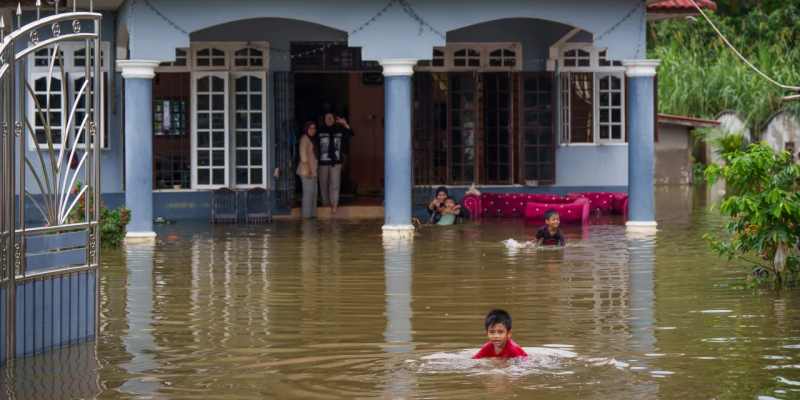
{"x":218,"y":121}
{"x":219,"y":176}
{"x":241,"y":176}
{"x":202,"y":102}
{"x":218,"y":157}
{"x":255,"y":139}
{"x":255,"y":84}
{"x":241,"y":158}
{"x":203,"y":176}
{"x":218,"y":102}
{"x":202,"y":84}
{"x":241,"y":84}
{"x":202,"y":121}
{"x":255,"y":120}
{"x":203,"y":158}
{"x":256,"y":176}
{"x":218,"y":139}
{"x":202,"y":139}
{"x":255,"y":157}
{"x":217,"y":84}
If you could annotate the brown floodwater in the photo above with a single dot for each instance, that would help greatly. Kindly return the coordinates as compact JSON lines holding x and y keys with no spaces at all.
{"x":330,"y":310}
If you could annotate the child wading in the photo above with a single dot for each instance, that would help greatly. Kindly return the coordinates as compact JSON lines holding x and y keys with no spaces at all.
{"x":498,"y":329}
{"x":550,"y":234}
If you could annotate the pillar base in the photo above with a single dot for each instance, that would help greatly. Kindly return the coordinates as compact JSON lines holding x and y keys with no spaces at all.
{"x":398,"y":231}
{"x":140,"y":236}
{"x":641,"y":226}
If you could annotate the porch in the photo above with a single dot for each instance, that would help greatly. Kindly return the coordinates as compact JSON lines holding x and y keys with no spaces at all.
{"x":539,"y":103}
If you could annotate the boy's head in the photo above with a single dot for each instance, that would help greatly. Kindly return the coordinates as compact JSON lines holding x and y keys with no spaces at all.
{"x":498,"y":328}
{"x":449,"y":202}
{"x":552,"y":219}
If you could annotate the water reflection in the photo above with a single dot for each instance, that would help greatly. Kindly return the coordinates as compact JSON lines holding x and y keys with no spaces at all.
{"x":330,"y":310}
{"x":399,"y":342}
{"x":139,"y":342}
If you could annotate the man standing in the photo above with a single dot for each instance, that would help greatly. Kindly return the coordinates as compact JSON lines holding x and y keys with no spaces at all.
{"x":334,"y":137}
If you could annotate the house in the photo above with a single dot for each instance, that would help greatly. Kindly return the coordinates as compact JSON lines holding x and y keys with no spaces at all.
{"x":553,"y":95}
{"x":675,"y":145}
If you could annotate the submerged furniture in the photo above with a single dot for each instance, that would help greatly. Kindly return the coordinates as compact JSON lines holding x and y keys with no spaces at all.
{"x":224,"y":206}
{"x":574,"y":207}
{"x":258,"y":206}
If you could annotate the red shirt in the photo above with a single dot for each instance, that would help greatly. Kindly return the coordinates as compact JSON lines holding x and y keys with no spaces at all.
{"x":511,"y":350}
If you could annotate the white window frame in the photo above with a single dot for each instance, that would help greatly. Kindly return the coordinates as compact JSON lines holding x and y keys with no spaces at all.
{"x":33,"y":116}
{"x":484,"y":49}
{"x":597,"y":106}
{"x":264,"y":58}
{"x":71,"y":72}
{"x":226,"y":182}
{"x":226,"y":56}
{"x":598,"y":72}
{"x":229,"y":72}
{"x":264,"y":101}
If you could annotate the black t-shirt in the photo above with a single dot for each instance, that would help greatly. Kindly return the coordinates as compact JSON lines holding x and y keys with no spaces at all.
{"x":333,"y":141}
{"x":556,"y":239}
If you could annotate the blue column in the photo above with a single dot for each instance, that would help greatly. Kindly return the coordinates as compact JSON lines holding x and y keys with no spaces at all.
{"x":397,"y":147}
{"x":641,"y":147}
{"x":138,"y":76}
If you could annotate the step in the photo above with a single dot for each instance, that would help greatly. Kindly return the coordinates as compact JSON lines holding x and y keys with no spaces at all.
{"x":344,"y":212}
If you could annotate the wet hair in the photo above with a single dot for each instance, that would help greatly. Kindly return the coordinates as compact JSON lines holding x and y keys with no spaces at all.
{"x":550,"y":214}
{"x":441,"y":189}
{"x":451,"y":198}
{"x":498,"y":316}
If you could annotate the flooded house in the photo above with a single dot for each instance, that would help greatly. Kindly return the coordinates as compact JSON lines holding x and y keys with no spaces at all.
{"x":548,"y":96}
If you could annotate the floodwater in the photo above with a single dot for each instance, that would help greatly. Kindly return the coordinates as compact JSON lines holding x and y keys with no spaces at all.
{"x":330,"y":310}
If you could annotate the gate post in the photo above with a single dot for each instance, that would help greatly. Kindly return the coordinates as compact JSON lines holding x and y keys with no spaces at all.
{"x":139,"y":76}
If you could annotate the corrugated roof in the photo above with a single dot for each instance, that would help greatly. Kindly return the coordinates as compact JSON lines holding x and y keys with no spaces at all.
{"x":679,"y":5}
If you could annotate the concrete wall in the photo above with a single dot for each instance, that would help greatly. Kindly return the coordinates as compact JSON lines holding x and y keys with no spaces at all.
{"x":393,"y":34}
{"x":673,"y":155}
{"x":782,"y":129}
{"x":592,"y":165}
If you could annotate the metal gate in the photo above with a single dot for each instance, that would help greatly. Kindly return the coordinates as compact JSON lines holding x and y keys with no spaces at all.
{"x":49,"y":191}
{"x":285,"y":139}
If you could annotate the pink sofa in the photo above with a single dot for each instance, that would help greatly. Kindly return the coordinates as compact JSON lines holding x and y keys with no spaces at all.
{"x":575,"y":207}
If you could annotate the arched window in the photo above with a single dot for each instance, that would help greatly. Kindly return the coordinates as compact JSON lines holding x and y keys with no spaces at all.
{"x":577,"y":58}
{"x":467,"y":58}
{"x":503,"y":58}
{"x":248,"y":57}
{"x":210,"y":57}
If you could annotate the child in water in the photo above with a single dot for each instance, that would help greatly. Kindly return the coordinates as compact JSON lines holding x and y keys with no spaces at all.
{"x":498,"y":329}
{"x":550,"y":234}
{"x":448,"y":212}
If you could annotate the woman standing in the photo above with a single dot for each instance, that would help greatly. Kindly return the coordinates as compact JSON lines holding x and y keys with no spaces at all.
{"x":334,"y":138}
{"x":307,"y":170}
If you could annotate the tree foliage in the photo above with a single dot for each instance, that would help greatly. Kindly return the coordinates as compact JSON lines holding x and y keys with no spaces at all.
{"x":700,"y":76}
{"x":763,"y":207}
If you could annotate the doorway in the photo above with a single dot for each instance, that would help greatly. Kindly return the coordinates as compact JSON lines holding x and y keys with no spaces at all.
{"x":358,"y":97}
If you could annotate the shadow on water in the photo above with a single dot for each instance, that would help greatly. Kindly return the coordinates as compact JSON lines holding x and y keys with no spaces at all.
{"x":318,"y":310}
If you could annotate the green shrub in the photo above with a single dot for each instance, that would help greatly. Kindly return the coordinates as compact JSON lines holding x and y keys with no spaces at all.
{"x":763,"y":207}
{"x":112,"y":223}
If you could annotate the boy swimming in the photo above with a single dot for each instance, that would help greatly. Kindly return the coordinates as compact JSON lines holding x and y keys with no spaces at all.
{"x":550,"y":234}
{"x":498,"y":329}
